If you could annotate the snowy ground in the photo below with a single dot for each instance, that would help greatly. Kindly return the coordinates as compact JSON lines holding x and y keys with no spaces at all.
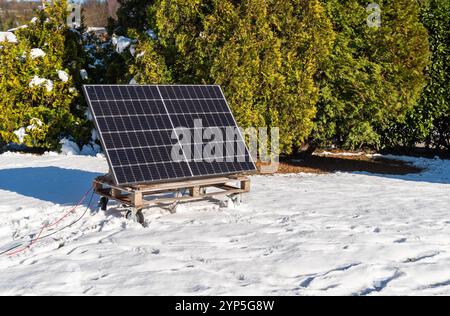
{"x":295,"y":235}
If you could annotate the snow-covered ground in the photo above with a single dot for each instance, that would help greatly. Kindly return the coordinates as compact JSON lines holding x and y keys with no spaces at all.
{"x":303,"y":234}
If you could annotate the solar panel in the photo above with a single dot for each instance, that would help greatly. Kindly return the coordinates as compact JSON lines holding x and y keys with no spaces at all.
{"x":141,"y":127}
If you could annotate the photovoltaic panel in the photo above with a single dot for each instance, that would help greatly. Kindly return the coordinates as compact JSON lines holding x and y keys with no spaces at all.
{"x":139,"y":125}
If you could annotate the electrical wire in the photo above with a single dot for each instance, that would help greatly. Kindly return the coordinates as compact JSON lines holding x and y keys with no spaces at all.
{"x":39,"y":237}
{"x":74,"y":222}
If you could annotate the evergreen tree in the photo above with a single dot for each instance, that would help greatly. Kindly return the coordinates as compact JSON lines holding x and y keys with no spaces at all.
{"x":374,"y":75}
{"x":435,"y":103}
{"x":147,"y":65}
{"x":40,"y":103}
{"x":142,"y":61}
{"x":429,"y":120}
{"x":264,"y":54}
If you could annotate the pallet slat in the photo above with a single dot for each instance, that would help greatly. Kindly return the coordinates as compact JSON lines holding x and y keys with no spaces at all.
{"x":136,"y":196}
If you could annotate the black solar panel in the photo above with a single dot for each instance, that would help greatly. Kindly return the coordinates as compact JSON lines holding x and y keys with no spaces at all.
{"x":141,"y":126}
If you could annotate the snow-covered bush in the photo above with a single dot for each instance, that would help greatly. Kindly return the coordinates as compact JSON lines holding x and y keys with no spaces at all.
{"x":40,"y":90}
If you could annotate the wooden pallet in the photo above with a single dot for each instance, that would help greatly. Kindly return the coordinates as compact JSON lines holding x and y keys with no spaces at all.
{"x":143,"y":196}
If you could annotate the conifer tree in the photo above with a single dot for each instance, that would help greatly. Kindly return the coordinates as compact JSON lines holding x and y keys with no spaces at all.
{"x":374,"y":76}
{"x":40,"y":101}
{"x":429,"y":120}
{"x":263,"y":53}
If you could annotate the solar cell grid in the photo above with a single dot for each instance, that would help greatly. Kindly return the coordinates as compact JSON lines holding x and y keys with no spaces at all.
{"x":137,"y":127}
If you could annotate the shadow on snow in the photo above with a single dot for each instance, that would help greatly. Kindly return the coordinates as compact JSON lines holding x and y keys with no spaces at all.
{"x":52,"y":184}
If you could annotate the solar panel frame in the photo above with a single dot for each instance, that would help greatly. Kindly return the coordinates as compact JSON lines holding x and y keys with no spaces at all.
{"x":250,"y":166}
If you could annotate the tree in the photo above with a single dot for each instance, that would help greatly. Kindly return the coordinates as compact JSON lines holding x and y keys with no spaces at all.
{"x":40,"y":103}
{"x":142,"y":60}
{"x":374,"y":76}
{"x":263,"y":53}
{"x":429,"y":120}
{"x":147,"y":65}
{"x":435,"y":103}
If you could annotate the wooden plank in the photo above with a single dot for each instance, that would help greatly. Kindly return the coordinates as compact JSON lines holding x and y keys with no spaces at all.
{"x":109,"y":184}
{"x":173,"y":185}
{"x":226,"y":187}
{"x":116,"y":192}
{"x":184,"y":184}
{"x":97,"y":186}
{"x":190,"y":198}
{"x":194,"y":191}
{"x":123,"y":199}
{"x":134,"y":197}
{"x":245,"y":185}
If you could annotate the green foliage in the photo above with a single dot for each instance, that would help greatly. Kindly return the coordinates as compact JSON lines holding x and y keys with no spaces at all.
{"x":264,"y":54}
{"x":429,"y":120}
{"x":147,"y":65}
{"x":313,"y":68}
{"x":52,"y":107}
{"x":140,"y":62}
{"x":374,"y":75}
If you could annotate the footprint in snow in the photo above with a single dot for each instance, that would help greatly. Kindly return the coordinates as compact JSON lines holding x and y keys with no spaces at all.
{"x":381,"y":284}
{"x":400,"y":241}
{"x":423,"y":256}
{"x":100,"y":277}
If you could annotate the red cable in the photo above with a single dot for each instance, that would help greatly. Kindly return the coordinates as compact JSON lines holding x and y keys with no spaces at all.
{"x":51,"y":225}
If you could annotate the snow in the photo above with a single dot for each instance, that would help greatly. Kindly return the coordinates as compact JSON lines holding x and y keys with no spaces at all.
{"x":91,"y":149}
{"x":295,"y":234}
{"x":35,"y":124}
{"x":95,"y":29}
{"x":20,"y":27}
{"x":36,"y":53}
{"x":88,"y":115}
{"x":132,"y":50}
{"x":63,"y":76}
{"x":98,"y":63}
{"x":345,"y":154}
{"x":121,"y":43}
{"x":37,"y":81}
{"x":8,"y":37}
{"x":152,"y":34}
{"x":69,"y":147}
{"x":84,"y":74}
{"x":20,"y":134}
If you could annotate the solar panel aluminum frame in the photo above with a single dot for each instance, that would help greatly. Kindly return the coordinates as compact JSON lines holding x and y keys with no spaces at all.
{"x":111,"y":166}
